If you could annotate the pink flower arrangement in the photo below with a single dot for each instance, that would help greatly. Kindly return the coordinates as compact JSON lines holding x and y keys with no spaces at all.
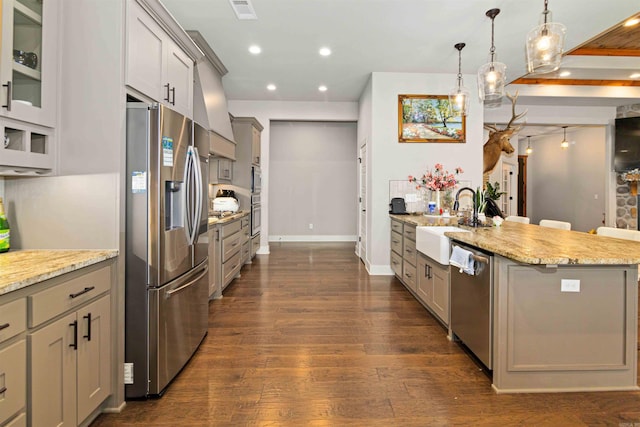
{"x":438,"y":179}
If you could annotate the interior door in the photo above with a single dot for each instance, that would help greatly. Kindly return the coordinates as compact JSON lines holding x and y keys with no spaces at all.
{"x":362,"y":237}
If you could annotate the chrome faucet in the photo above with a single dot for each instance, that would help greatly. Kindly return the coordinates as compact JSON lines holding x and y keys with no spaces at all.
{"x":456,"y":205}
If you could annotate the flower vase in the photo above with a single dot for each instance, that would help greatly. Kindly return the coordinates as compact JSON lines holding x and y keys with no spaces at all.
{"x":437,"y":202}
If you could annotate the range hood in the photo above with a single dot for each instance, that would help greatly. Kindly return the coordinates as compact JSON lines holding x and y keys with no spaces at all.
{"x":209,"y":100}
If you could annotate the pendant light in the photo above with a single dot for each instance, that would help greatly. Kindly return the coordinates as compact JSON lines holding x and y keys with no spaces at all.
{"x":529,"y":150}
{"x":564,"y":144}
{"x":545,"y":44}
{"x":492,"y":75}
{"x":459,"y":95}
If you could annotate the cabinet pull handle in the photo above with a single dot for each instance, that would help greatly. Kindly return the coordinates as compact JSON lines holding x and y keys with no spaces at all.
{"x":173,"y":97}
{"x":74,"y":344}
{"x":168,"y":90}
{"x":5,"y":326}
{"x":2,"y":390}
{"x":88,"y":336}
{"x":8,"y":104}
{"x":82,"y":292}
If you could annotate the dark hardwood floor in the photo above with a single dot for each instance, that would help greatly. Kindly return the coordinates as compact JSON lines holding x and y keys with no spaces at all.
{"x":306,"y":338}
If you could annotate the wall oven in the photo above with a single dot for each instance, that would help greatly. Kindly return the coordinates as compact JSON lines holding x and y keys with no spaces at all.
{"x":255,"y":214}
{"x":256,"y":180}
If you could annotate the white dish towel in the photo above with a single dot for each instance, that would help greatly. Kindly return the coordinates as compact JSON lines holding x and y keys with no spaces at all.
{"x":463,"y":259}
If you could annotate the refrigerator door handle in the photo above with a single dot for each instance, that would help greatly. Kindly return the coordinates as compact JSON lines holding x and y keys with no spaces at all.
{"x":188,"y":172}
{"x":199,"y":190}
{"x":190,"y":283}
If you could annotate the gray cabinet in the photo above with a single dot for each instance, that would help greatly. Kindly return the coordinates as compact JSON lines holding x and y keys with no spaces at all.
{"x":226,"y":255}
{"x":433,"y":287}
{"x":13,"y":364}
{"x":70,"y":350}
{"x":155,"y":65}
{"x":29,"y":86}
{"x":425,"y":278}
{"x":396,"y":247}
{"x":246,"y":131}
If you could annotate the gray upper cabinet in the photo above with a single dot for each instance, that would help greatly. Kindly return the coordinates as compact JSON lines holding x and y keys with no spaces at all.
{"x":28,"y":96}
{"x":156,"y":66}
{"x":28,"y":60}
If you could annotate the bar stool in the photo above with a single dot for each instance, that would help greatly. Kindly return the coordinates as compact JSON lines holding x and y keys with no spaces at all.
{"x":520,"y":219}
{"x":620,"y":233}
{"x":552,"y":223}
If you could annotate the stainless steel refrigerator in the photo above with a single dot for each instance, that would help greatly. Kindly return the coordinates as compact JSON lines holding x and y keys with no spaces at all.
{"x":166,"y":272}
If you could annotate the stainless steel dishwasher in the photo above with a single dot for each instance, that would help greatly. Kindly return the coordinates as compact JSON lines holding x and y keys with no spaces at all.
{"x":472,"y":305}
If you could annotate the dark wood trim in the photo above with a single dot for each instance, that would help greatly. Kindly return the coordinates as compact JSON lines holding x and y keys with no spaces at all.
{"x":575,"y":82}
{"x":587,"y":51}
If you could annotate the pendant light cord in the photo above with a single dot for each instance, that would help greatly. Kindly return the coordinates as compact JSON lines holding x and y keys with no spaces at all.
{"x":546,"y":11}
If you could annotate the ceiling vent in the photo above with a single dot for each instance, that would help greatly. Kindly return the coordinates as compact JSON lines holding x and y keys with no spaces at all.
{"x":243,"y":9}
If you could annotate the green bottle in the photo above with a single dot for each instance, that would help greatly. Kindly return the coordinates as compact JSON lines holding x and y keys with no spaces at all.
{"x":4,"y":229}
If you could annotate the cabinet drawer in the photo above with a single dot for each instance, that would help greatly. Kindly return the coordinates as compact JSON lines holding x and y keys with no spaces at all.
{"x":410,"y":232}
{"x":244,"y":222}
{"x":409,"y":252}
{"x":230,"y":228}
{"x":19,"y":421}
{"x":409,"y":275}
{"x":13,"y":379}
{"x":51,"y":302}
{"x":246,"y":250}
{"x":230,"y":246}
{"x":13,"y":319}
{"x":396,"y":226}
{"x":230,"y":268}
{"x":396,"y":243}
{"x":396,"y":264}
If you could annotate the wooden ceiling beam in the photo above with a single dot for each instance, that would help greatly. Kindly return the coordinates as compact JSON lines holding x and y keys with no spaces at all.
{"x":574,"y":82}
{"x":587,"y":51}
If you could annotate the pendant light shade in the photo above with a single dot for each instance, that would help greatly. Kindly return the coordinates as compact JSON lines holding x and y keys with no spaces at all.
{"x":545,"y":44}
{"x":564,"y":143}
{"x":529,"y":150}
{"x":492,"y":75}
{"x":459,"y":95}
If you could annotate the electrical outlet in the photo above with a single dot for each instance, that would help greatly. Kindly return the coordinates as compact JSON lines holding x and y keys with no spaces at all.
{"x":310,"y":226}
{"x":569,"y":285}
{"x":128,"y":373}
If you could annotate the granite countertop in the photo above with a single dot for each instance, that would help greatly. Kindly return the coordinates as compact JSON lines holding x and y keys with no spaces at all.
{"x":21,"y":268}
{"x":221,"y":220}
{"x":426,"y":220}
{"x":532,"y":244}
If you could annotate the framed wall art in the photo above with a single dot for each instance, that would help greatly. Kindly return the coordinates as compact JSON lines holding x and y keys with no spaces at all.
{"x":428,"y":118}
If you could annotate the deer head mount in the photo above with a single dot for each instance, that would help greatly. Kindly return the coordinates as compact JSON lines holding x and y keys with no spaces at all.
{"x":499,"y":138}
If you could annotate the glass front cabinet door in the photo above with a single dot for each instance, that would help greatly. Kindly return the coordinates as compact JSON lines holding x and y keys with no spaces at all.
{"x":28,"y":60}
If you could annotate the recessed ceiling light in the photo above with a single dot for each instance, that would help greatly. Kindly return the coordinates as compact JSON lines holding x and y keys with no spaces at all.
{"x":271,"y":87}
{"x":322,"y":88}
{"x":255,"y":49}
{"x":631,"y":22}
{"x":325,"y":51}
{"x":565,"y":73}
{"x":634,"y":76}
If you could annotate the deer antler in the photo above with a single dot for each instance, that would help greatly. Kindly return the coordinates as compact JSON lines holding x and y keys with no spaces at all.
{"x":514,"y":116}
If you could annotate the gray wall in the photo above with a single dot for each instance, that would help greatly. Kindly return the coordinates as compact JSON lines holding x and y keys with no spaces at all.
{"x":564,"y":184}
{"x":313,"y":180}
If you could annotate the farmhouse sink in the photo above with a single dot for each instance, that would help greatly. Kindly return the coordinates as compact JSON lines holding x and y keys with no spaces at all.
{"x":432,"y":242}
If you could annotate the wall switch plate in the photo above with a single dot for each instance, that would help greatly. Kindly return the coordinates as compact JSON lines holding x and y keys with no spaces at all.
{"x":569,"y":285}
{"x":310,"y":226}
{"x":128,"y":373}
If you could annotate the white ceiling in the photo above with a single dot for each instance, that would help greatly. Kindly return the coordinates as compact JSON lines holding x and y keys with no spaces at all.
{"x":388,"y":36}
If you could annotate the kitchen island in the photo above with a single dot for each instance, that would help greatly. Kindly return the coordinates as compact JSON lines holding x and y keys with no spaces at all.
{"x":564,"y":308}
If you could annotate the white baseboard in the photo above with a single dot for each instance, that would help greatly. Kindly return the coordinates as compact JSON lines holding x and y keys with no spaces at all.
{"x":313,"y":238}
{"x":380,"y":270}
